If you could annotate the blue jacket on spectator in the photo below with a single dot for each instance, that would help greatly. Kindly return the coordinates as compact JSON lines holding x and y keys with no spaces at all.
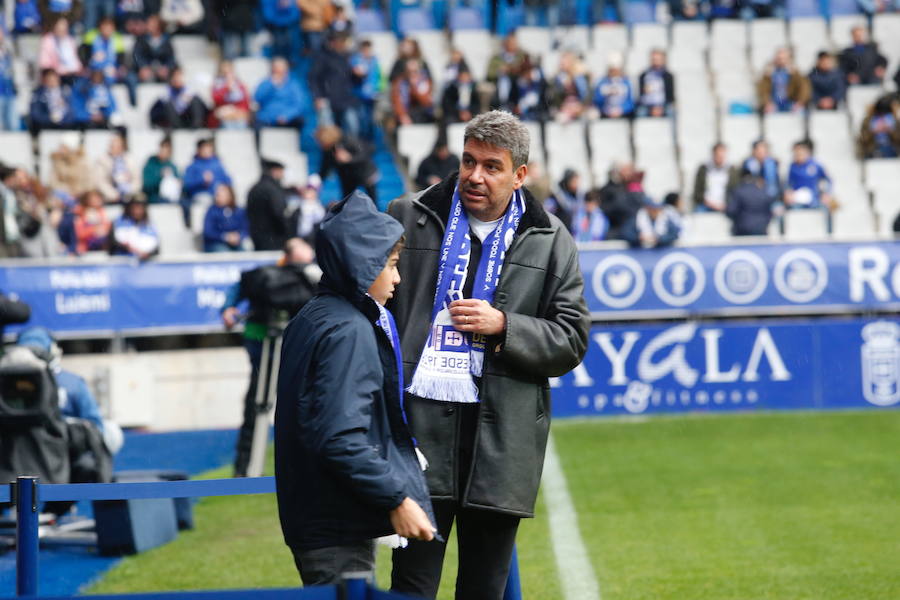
{"x":280,"y":13}
{"x":284,"y":101}
{"x":367,"y":87}
{"x":220,"y":220}
{"x":827,"y":84}
{"x":7,"y":83}
{"x":27,"y":17}
{"x":91,"y":98}
{"x":43,"y":113}
{"x":812,"y":176}
{"x":614,"y":93}
{"x":194,"y":183}
{"x":768,"y":170}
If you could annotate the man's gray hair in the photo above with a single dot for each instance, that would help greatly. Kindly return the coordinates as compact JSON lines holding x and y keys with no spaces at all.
{"x":503,"y":130}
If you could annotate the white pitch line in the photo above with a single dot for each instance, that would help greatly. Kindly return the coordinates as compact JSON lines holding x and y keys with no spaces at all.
{"x":572,"y":564}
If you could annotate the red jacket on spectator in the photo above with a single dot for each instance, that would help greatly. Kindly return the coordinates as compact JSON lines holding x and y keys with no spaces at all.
{"x":225,"y":95}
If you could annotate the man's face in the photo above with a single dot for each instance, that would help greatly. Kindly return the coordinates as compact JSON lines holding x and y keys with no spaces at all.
{"x":279,"y":68}
{"x":720,"y":155}
{"x":760,"y":151}
{"x":657,"y":60}
{"x":826,"y":63}
{"x":153,"y":25}
{"x":781,"y":58}
{"x":277,"y":174}
{"x":510,"y":44}
{"x":487,"y":179}
{"x":107,"y":28}
{"x":859,"y":35}
{"x":801,"y":154}
{"x":205,"y":151}
{"x":51,"y":80}
{"x":382,"y":289}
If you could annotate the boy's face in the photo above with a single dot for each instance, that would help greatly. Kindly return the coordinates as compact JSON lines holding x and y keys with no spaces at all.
{"x":801,"y":154}
{"x":382,"y":289}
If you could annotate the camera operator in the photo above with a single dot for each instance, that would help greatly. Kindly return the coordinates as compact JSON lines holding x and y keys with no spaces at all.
{"x":12,"y":311}
{"x":275,"y":293}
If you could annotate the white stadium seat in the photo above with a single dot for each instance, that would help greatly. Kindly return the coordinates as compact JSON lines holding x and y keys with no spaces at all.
{"x":16,"y":149}
{"x":96,"y":143}
{"x":534,"y":40}
{"x":477,"y":46}
{"x":251,"y":71}
{"x":184,"y":146}
{"x":706,"y":228}
{"x":415,"y":142}
{"x":143,"y":143}
{"x":576,"y":38}
{"x":278,"y":140}
{"x":725,"y":34}
{"x":174,"y":238}
{"x":609,"y":37}
{"x":192,"y":46}
{"x":808,"y":36}
{"x":649,"y":35}
{"x":384,"y":47}
{"x":147,"y":95}
{"x":856,"y":223}
{"x":690,"y":35}
{"x":48,"y":143}
{"x":805,"y":225}
{"x":567,"y":149}
{"x":455,"y":137}
{"x":739,"y":133}
{"x":782,"y":130}
{"x":882,"y":174}
{"x":841,"y":25}
{"x":610,"y":142}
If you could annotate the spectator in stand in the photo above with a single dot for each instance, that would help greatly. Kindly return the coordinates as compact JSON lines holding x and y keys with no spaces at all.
{"x":571,"y":90}
{"x":27,"y":17}
{"x":59,"y":51}
{"x":367,"y":86}
{"x":11,"y":223}
{"x":280,"y":17}
{"x":315,"y":17}
{"x":133,"y":234}
{"x":566,"y":199}
{"x":9,"y":114}
{"x":508,"y":60}
{"x":862,"y":63}
{"x":685,"y":10}
{"x":279,"y":98}
{"x":225,"y":227}
{"x":91,"y":223}
{"x":761,"y":164}
{"x":622,"y":197}
{"x":33,"y":215}
{"x":761,"y":9}
{"x":53,"y":10}
{"x":51,"y":104}
{"x":411,"y":95}
{"x":153,"y":58}
{"x":180,"y":108}
{"x":93,"y":104}
{"x":827,"y":82}
{"x":656,"y":88}
{"x":713,"y":181}
{"x":351,"y":158}
{"x":880,"y":133}
{"x":782,"y":88}
{"x":115,"y":176}
{"x":160,"y":176}
{"x":231,"y":100}
{"x":311,"y":210}
{"x":408,"y":50}
{"x":538,"y":182}
{"x":341,"y":23}
{"x":70,"y":173}
{"x":656,"y":225}
{"x":268,"y":215}
{"x":456,"y":65}
{"x":332,"y":85}
{"x":589,"y":223}
{"x":505,"y":89}
{"x":103,"y":50}
{"x":439,"y":164}
{"x":461,"y":101}
{"x":530,"y":93}
{"x":808,"y":185}
{"x":183,"y":16}
{"x":202,"y":177}
{"x":750,"y":206}
{"x":237,"y":22}
{"x":612,"y":95}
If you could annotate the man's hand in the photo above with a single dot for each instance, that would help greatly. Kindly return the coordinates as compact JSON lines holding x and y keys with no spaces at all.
{"x":410,"y":521}
{"x":230,"y":317}
{"x":477,"y":316}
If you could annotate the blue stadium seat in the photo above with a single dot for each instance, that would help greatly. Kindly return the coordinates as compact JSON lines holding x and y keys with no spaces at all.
{"x":638,"y":11}
{"x":369,"y":20}
{"x":843,"y":7}
{"x":802,"y":8}
{"x":413,"y":19}
{"x":466,"y":18}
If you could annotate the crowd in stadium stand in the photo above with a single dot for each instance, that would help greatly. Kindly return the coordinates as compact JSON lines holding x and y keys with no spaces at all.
{"x":82,"y":54}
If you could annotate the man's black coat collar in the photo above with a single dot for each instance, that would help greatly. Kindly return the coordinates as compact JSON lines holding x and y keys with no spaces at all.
{"x":439,"y":197}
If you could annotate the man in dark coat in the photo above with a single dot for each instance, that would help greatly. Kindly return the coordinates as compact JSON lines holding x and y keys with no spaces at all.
{"x":750,"y":207}
{"x":862,"y":63}
{"x":346,"y":466}
{"x":267,"y":209}
{"x":485,"y":453}
{"x":437,"y":165}
{"x":332,"y":84}
{"x":621,"y":198}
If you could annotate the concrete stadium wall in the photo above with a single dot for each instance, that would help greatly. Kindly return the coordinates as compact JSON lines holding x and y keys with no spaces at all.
{"x":165,"y":391}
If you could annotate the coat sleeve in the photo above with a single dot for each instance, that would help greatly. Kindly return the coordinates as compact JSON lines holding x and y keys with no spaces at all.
{"x":334,"y":425}
{"x":555,"y":343}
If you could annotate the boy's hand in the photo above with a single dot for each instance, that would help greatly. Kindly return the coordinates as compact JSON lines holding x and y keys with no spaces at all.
{"x":477,"y":316}
{"x":410,"y":521}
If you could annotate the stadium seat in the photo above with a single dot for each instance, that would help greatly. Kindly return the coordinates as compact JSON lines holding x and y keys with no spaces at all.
{"x":859,"y":99}
{"x":727,"y":34}
{"x":732,"y":61}
{"x":174,"y":238}
{"x":887,"y":207}
{"x":535,"y":40}
{"x":48,"y":142}
{"x":143,"y":143}
{"x":647,"y":36}
{"x":413,"y":19}
{"x":853,"y":223}
{"x":260,"y":42}
{"x":278,"y":139}
{"x":649,"y":131}
{"x":28,"y":46}
{"x":131,"y":117}
{"x":636,"y":62}
{"x":841,"y":26}
{"x":415,"y":142}
{"x":147,"y":95}
{"x":881,"y":174}
{"x":296,"y":167}
{"x":384,"y":46}
{"x":639,"y":11}
{"x":369,"y":20}
{"x":96,"y":143}
{"x":886,"y":31}
{"x":17,"y":149}
{"x":782,"y":130}
{"x":682,"y":59}
{"x":455,"y":137}
{"x":661,"y":174}
{"x":251,"y":71}
{"x":576,"y":38}
{"x":199,"y":73}
{"x":805,"y":225}
{"x":463,"y":17}
{"x":193,"y":46}
{"x":608,"y":38}
{"x":690,"y":34}
{"x":706,"y":228}
{"x":184,"y":145}
{"x":566,"y":145}
{"x":735,"y":87}
{"x":766,"y":35}
{"x":739,"y":133}
{"x":477,"y":46}
{"x":237,"y":150}
{"x":610,"y":142}
{"x":435,"y":52}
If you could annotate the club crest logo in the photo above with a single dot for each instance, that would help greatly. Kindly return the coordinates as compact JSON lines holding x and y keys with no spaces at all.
{"x":881,"y":363}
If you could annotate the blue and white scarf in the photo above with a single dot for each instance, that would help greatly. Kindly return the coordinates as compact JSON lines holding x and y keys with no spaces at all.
{"x":451,"y":358}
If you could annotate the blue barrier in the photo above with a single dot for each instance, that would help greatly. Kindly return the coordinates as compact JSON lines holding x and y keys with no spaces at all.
{"x":27,"y":493}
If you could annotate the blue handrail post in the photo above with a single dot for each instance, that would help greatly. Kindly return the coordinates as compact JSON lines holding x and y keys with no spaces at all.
{"x":513,"y":585}
{"x":26,"y":499}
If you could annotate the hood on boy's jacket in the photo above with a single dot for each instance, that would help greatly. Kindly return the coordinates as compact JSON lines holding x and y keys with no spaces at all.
{"x":353,"y":245}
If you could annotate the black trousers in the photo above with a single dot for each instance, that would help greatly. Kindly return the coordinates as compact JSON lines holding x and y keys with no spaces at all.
{"x":327,"y":566}
{"x":245,"y":433}
{"x":485,"y":540}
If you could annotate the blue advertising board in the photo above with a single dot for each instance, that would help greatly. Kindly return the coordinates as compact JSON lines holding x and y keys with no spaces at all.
{"x":823,"y":363}
{"x":740,"y":280}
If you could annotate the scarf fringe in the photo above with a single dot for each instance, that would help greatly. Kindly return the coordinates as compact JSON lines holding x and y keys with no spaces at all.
{"x":448,"y":389}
